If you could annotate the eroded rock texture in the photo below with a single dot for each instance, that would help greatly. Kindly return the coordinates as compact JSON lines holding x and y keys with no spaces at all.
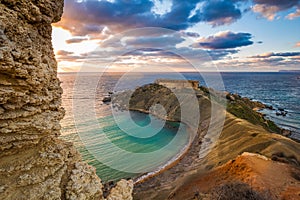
{"x":34,"y":163}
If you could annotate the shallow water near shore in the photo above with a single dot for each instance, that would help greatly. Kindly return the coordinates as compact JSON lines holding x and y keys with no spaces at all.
{"x":122,"y":140}
{"x":257,"y":86}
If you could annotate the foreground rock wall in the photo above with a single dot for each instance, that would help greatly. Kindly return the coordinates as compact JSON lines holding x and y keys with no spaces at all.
{"x":34,"y":163}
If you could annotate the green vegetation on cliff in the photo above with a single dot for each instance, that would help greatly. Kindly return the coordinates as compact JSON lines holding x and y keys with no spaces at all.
{"x":244,"y":108}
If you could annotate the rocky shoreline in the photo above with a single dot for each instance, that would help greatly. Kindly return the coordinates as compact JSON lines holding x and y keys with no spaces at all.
{"x":233,"y":101}
{"x":258,"y":137}
{"x":258,"y":107}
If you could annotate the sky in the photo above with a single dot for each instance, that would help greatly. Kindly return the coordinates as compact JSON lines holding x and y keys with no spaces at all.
{"x":178,"y":35}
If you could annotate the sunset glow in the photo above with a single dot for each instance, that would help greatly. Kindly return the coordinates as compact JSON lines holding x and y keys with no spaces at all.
{"x":237,"y":35}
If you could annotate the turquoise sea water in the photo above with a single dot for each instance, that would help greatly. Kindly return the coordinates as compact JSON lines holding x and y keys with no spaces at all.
{"x":276,"y":89}
{"x":154,"y":149}
{"x":131,"y":144}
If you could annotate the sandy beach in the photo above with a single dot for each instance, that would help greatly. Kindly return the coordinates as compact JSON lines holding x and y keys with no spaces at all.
{"x":185,"y":165}
{"x":170,"y":164}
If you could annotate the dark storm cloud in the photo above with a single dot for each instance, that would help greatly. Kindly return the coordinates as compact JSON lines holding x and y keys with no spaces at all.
{"x":225,"y":40}
{"x":92,"y":16}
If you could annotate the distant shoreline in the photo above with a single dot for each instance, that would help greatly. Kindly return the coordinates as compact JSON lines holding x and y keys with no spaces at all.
{"x":290,"y":71}
{"x":107,"y":72}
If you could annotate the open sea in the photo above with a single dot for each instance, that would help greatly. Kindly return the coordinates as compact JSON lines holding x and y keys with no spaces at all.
{"x":100,"y":133}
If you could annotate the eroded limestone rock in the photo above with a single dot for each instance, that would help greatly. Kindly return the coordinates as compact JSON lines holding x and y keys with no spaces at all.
{"x":123,"y":190}
{"x":34,"y":163}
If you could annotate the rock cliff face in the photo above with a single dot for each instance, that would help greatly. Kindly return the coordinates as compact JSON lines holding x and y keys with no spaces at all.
{"x":34,"y":163}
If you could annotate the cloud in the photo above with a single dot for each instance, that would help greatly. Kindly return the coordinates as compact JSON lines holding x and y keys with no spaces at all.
{"x":270,"y":8}
{"x":64,"y":53}
{"x":200,"y":54}
{"x":281,"y":54}
{"x":298,"y":44}
{"x":221,"y":54}
{"x":295,"y":14}
{"x":225,"y":40}
{"x":268,"y":62}
{"x":145,"y":38}
{"x":102,"y":19}
{"x":278,"y":61}
{"x":273,"y":61}
{"x":166,"y":41}
{"x":149,"y":57}
{"x":190,"y":34}
{"x":258,"y":64}
{"x":76,"y":40}
{"x":92,"y":17}
{"x":218,"y":13}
